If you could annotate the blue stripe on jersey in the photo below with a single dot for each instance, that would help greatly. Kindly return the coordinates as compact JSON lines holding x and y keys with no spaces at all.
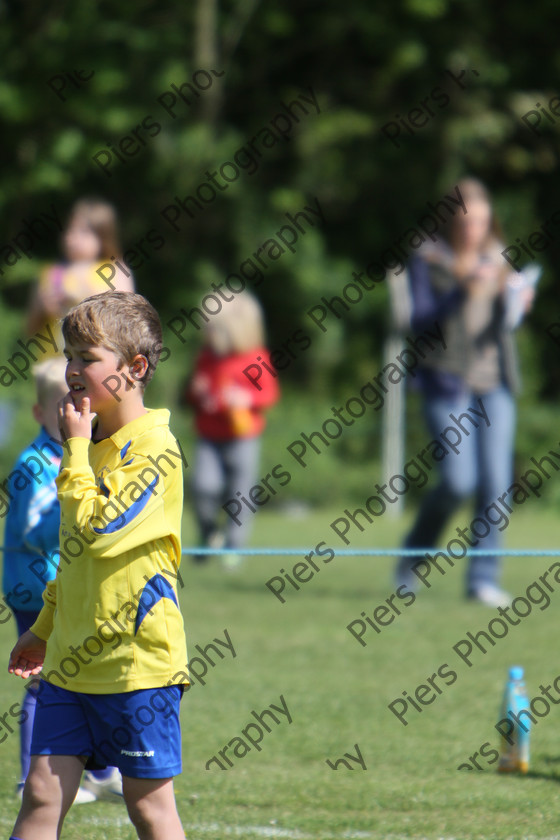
{"x":159,"y":587}
{"x":125,"y":449}
{"x":130,"y":513}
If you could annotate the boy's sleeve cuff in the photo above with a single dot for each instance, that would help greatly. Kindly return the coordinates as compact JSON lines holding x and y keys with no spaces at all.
{"x":44,"y":624}
{"x":75,"y":452}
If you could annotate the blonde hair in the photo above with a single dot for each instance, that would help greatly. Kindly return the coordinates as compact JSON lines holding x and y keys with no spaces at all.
{"x":50,"y":379}
{"x":101,"y":218}
{"x":237,"y":328}
{"x":123,"y":322}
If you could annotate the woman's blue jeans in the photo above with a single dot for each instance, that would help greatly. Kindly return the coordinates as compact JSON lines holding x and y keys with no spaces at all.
{"x":483,"y":467}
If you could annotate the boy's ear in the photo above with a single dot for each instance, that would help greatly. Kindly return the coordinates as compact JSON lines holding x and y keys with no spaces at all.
{"x":138,"y":367}
{"x":38,"y":413}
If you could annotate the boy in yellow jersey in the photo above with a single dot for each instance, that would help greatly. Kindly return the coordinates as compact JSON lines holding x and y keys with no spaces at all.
{"x":110,"y":639}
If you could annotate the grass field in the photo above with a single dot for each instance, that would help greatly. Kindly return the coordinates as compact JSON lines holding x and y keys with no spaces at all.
{"x":337,"y":694}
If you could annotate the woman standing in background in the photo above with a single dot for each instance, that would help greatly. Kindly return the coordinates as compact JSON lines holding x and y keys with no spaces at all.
{"x":461,"y":283}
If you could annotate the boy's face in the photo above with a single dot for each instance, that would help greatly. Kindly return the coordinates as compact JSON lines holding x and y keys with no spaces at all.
{"x":87,"y":372}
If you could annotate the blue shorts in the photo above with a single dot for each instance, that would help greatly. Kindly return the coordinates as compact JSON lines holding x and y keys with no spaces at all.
{"x":24,"y":619}
{"x":137,"y":731}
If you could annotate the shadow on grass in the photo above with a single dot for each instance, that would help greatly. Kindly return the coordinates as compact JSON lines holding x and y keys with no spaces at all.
{"x":553,"y":775}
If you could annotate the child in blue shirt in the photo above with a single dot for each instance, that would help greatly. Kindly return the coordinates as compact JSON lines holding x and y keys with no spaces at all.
{"x":32,"y":523}
{"x":32,"y":534}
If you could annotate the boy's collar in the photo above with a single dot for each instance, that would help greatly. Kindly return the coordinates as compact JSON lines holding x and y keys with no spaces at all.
{"x":94,"y":430}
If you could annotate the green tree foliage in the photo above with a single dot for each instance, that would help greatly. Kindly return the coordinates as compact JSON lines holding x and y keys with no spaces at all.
{"x":367,"y":64}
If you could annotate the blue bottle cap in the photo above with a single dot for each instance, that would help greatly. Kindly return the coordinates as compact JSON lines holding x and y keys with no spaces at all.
{"x":516,"y":672}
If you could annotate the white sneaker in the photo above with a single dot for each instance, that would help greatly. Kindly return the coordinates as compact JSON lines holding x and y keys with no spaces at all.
{"x":82,"y":796}
{"x":491,"y":596}
{"x":102,"y":789}
{"x":215,"y":540}
{"x":232,"y":562}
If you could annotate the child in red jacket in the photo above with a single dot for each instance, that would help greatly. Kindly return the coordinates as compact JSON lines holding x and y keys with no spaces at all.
{"x":229,"y":417}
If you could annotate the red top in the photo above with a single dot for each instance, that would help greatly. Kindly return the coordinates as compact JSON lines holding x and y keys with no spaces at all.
{"x":229,"y":402}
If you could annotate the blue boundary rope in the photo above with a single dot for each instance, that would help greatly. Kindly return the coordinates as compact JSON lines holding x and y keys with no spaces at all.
{"x":377,"y":552}
{"x":358,"y":552}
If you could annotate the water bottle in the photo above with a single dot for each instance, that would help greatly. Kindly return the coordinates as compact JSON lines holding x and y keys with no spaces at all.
{"x":514,"y":747}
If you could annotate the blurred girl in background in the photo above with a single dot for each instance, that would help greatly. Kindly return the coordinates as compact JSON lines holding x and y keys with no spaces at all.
{"x":229,"y":419}
{"x":89,"y":240}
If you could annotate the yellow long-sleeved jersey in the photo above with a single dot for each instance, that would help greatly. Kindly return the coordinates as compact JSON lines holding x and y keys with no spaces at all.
{"x":112,"y":616}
